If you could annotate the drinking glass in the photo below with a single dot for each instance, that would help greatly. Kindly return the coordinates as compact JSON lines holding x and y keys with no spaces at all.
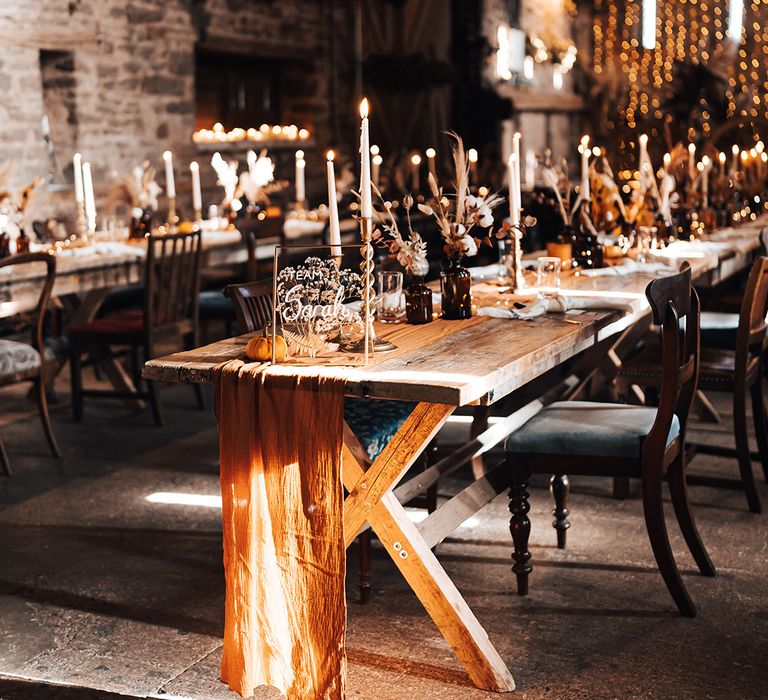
{"x":548,"y":276}
{"x":507,"y":260}
{"x":389,"y":303}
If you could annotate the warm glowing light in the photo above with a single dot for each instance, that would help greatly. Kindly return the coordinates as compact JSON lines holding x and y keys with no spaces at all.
{"x":705,"y":160}
{"x":374,"y":150}
{"x":185,"y":499}
{"x":194,"y":166}
{"x":691,"y":148}
{"x":299,"y":155}
{"x":734,"y":149}
{"x":416,"y":159}
{"x":585,"y":140}
{"x":471,"y":154}
{"x":736,"y":20}
{"x":431,"y":153}
{"x":596,"y":151}
{"x":649,"y":24}
{"x":278,"y":133}
{"x":643,"y":139}
{"x":377,"y":160}
{"x":364,"y":108}
{"x":744,"y":155}
{"x":667,"y":160}
{"x":330,"y":155}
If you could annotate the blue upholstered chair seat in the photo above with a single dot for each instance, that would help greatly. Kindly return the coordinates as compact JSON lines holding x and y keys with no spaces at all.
{"x":213,"y":304}
{"x":374,"y":421}
{"x":586,"y":428}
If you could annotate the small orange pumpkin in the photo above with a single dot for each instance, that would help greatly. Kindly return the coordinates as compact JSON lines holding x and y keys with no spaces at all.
{"x":259,"y":348}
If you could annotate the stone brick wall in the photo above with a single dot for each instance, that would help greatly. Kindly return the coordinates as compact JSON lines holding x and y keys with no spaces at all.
{"x":132,"y":88}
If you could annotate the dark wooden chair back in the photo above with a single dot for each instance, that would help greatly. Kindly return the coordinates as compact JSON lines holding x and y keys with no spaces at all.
{"x":750,"y":339}
{"x":269,"y":229}
{"x":172,"y":283}
{"x":675,"y":307}
{"x":45,"y":293}
{"x":253,"y":303}
{"x":764,"y":240}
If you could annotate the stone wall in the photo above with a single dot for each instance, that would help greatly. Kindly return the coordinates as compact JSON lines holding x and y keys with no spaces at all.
{"x":132,"y":80}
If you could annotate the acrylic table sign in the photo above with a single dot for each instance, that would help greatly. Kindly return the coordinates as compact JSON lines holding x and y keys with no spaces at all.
{"x":315,"y":301}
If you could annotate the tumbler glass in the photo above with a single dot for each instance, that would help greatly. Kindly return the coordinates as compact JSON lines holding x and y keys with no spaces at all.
{"x":548,"y":276}
{"x":389,"y":303}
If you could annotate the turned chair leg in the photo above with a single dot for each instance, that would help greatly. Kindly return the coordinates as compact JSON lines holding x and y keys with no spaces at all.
{"x":758,"y":414}
{"x":620,"y":487}
{"x":76,"y":384}
{"x":679,"y":493}
{"x":560,"y":486}
{"x":653,"y":508}
{"x":520,"y":527}
{"x":742,"y":450}
{"x":45,"y":418}
{"x":364,"y":570}
{"x":5,"y":463}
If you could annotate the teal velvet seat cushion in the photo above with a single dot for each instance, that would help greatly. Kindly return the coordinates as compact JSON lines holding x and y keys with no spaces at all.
{"x":374,"y":422}
{"x":719,"y":330}
{"x":213,"y":304}
{"x":586,"y":428}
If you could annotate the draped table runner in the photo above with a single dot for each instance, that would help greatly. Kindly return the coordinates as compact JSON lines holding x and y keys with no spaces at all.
{"x":283,"y":540}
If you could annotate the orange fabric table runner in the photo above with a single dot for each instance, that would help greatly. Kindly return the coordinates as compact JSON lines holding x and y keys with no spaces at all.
{"x":282,"y":513}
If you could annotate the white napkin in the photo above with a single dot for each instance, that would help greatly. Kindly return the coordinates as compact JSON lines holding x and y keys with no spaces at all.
{"x":554,"y":305}
{"x":630,"y":267}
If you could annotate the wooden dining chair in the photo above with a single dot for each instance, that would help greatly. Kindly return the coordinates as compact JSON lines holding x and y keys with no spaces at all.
{"x":737,"y":370}
{"x":214,"y":305}
{"x":374,"y":422}
{"x":619,"y":440}
{"x":21,"y":362}
{"x":172,"y":283}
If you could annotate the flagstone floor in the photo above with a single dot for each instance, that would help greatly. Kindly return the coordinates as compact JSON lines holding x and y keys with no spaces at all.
{"x":108,"y":590}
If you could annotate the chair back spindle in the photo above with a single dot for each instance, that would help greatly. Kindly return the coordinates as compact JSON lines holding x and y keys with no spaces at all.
{"x":750,"y":337}
{"x":253,"y":303}
{"x":172,"y":281}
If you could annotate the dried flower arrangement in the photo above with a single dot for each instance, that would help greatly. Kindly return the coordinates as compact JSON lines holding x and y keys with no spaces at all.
{"x":258,"y":182}
{"x":138,"y":191}
{"x":226,"y":171}
{"x":311,"y":305}
{"x":410,"y":252}
{"x":460,"y":213}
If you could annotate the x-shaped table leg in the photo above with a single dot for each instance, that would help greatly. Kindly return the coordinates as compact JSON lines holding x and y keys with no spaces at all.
{"x":371,"y":500}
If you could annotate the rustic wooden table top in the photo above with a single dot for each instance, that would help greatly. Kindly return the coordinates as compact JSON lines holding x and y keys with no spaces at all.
{"x":105,"y":265}
{"x":480,"y":362}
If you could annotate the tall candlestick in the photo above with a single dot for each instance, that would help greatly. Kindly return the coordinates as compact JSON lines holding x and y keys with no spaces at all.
{"x":170,"y":183}
{"x":667,"y":162}
{"x":472,"y":157}
{"x":90,"y":202}
{"x":300,"y":185}
{"x":366,"y":205}
{"x":530,"y":169}
{"x":643,"y":148}
{"x":721,"y":158}
{"x":376,"y":162}
{"x":77,"y":168}
{"x":415,"y":166}
{"x":334,"y":231}
{"x":691,"y":161}
{"x":197,"y":197}
{"x":514,"y":211}
{"x":705,"y":165}
{"x":734,"y":160}
{"x":431,"y":153}
{"x":516,"y":152}
{"x":585,"y":193}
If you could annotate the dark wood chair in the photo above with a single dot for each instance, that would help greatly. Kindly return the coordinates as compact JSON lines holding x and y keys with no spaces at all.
{"x":619,"y":440}
{"x":373,"y":421}
{"x":214,"y":304}
{"x":737,"y":370}
{"x":21,"y":362}
{"x":172,"y":283}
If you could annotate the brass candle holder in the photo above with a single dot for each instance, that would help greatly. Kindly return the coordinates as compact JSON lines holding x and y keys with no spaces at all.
{"x":198,"y":216}
{"x":81,"y":223}
{"x":173,"y":219}
{"x":370,"y":343}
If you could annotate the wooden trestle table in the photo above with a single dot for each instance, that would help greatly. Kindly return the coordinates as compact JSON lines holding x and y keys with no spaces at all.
{"x":477,"y":365}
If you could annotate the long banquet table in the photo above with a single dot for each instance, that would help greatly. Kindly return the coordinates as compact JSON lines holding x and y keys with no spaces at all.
{"x":452,"y":364}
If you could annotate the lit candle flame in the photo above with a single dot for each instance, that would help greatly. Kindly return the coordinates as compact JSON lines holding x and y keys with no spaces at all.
{"x":330,"y":155}
{"x":431,"y":152}
{"x":364,"y":108}
{"x":416,"y":159}
{"x":374,"y":150}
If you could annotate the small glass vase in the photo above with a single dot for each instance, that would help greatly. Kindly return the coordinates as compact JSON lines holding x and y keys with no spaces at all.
{"x":418,"y":302}
{"x":455,"y":282}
